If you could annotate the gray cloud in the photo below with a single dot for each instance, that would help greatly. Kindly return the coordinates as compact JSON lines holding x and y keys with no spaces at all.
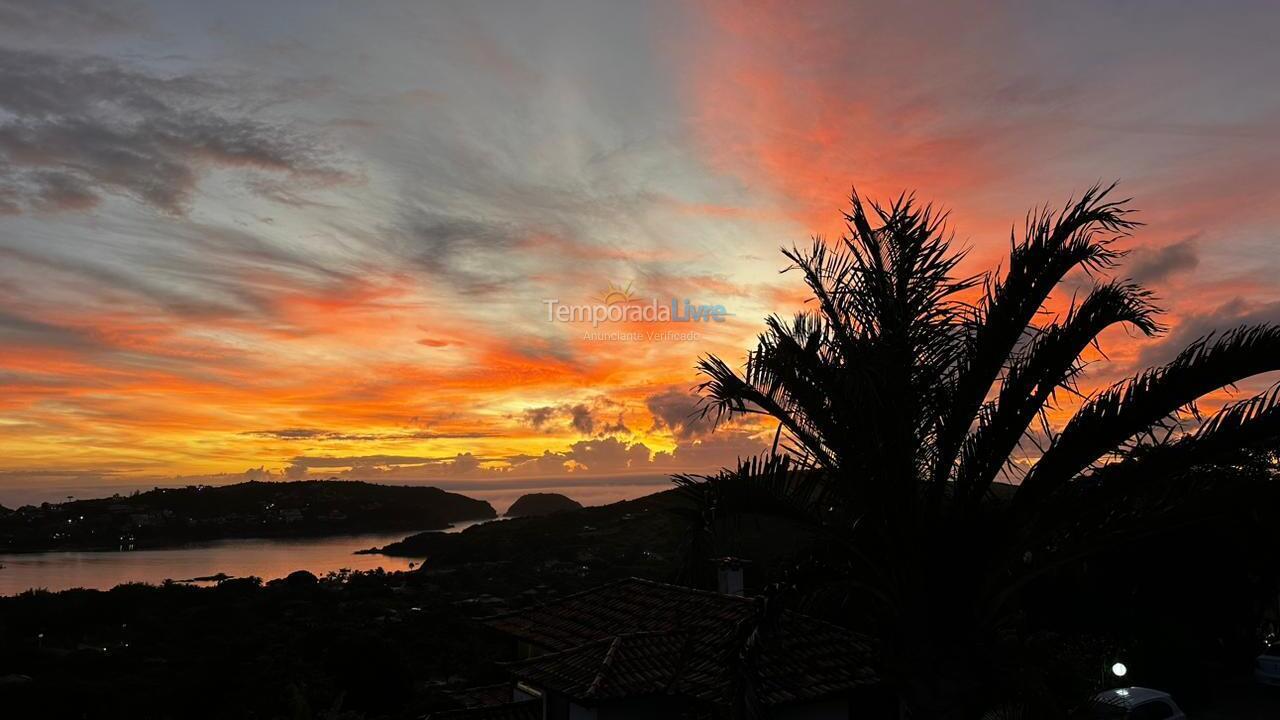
{"x":582,"y":417}
{"x":1227,"y":316}
{"x":290,"y":433}
{"x":10,"y":200}
{"x":82,"y":128}
{"x":722,"y":448}
{"x":606,"y":454}
{"x":472,"y":255}
{"x":70,"y":17}
{"x":540,"y":416}
{"x":318,"y":434}
{"x":22,"y":331}
{"x":617,"y":427}
{"x":609,"y":454}
{"x":62,"y":191}
{"x":363,"y":461}
{"x":1151,"y":266}
{"x":677,"y":410}
{"x":374,"y":466}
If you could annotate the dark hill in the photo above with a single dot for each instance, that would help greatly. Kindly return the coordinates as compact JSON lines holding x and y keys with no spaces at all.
{"x":645,"y":537}
{"x":650,"y":523}
{"x":167,"y":516}
{"x":541,"y":504}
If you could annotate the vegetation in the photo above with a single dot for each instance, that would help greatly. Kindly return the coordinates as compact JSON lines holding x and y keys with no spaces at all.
{"x":341,"y":647}
{"x":917,"y":491}
{"x":171,"y":516}
{"x":642,"y":534}
{"x":951,"y":517}
{"x":389,"y":645}
{"x":345,"y":646}
{"x":541,"y":504}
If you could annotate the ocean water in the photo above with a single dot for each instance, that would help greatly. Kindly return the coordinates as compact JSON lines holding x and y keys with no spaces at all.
{"x":265,"y":558}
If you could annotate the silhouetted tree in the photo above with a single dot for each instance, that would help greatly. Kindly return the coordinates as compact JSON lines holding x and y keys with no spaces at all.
{"x":914,"y":441}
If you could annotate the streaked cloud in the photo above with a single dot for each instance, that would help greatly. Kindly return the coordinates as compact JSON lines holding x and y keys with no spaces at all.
{"x":80,"y":128}
{"x":1155,"y":265}
{"x":243,"y":241}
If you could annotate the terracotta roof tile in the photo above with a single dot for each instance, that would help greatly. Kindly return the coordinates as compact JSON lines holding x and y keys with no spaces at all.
{"x":638,"y":637}
{"x":629,"y":665}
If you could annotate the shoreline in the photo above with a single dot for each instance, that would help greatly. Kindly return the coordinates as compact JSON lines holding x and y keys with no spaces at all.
{"x":206,"y":541}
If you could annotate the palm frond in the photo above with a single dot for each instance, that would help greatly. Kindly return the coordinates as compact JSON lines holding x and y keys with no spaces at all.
{"x":770,"y":484}
{"x":1049,"y":361}
{"x":898,"y":406}
{"x":1233,"y":436}
{"x":759,"y":389}
{"x":1080,"y":235}
{"x":1136,"y":405}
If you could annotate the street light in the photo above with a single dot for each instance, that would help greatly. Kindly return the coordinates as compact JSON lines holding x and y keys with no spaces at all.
{"x":1119,"y":670}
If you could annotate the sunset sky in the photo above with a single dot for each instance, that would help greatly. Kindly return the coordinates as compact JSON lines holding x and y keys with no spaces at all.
{"x":267,"y":240}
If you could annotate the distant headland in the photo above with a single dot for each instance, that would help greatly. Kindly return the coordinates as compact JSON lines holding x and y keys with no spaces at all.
{"x":175,"y":516}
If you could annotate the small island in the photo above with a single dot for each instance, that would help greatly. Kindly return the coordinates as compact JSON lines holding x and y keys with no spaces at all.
{"x":534,"y":504}
{"x":165,"y":517}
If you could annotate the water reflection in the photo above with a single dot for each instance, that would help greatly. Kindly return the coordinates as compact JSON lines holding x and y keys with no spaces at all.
{"x":266,"y":558}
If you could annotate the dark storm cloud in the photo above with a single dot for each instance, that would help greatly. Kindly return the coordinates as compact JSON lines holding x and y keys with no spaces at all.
{"x":1153,"y":266}
{"x":76,"y":129}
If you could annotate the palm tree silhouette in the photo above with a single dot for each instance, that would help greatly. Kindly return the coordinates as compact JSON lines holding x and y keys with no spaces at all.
{"x":914,"y":443}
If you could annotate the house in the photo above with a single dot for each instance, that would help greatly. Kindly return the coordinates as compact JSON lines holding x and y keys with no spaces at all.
{"x":643,"y":649}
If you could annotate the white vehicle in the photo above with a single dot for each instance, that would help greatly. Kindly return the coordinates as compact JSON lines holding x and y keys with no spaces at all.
{"x":1266,"y":669}
{"x":1136,"y":703}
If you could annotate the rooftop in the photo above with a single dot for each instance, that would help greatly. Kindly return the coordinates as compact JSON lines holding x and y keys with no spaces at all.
{"x":636,"y":664}
{"x":639,"y":637}
{"x":522,"y":710}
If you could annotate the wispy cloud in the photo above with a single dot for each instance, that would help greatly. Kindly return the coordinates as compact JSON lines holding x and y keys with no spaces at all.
{"x":236,"y":237}
{"x":76,"y":129}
